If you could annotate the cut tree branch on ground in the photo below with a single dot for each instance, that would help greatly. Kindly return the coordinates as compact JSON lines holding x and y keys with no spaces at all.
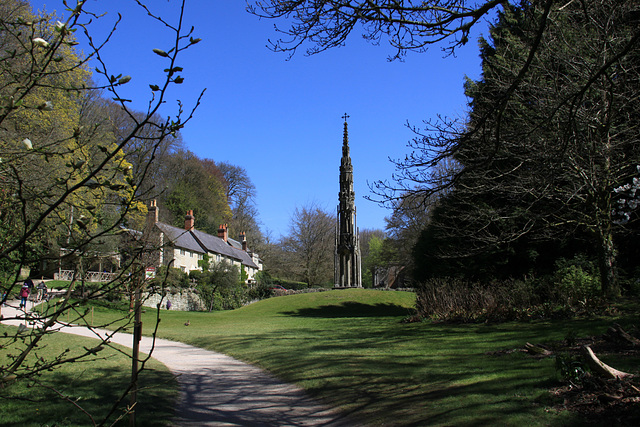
{"x":616,"y":334}
{"x":537,"y":350}
{"x":599,"y":367}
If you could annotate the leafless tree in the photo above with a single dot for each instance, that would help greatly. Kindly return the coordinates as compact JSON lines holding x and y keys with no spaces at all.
{"x":64,"y":174}
{"x":241,"y":193}
{"x":407,"y":24}
{"x":310,"y":245}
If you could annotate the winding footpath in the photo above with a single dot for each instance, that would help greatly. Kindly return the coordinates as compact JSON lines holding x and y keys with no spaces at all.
{"x":215,"y":389}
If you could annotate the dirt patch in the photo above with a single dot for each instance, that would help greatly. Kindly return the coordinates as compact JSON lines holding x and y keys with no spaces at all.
{"x":613,"y":402}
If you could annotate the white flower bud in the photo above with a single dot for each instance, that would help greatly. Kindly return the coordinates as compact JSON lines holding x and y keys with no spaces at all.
{"x":27,"y":143}
{"x":39,"y":41}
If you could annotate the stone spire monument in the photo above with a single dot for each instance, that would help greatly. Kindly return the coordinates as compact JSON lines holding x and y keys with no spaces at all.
{"x":347,"y":265}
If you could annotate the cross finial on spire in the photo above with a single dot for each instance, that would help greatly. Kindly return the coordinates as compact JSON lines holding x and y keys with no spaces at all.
{"x":345,"y":117}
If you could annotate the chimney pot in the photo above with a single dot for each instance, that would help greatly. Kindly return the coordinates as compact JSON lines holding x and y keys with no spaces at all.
{"x":152,"y":213}
{"x":222,"y":232}
{"x":189,"y":221}
{"x":243,"y":238}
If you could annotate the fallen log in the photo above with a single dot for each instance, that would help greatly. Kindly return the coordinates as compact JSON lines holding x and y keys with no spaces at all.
{"x":617,"y":334}
{"x":537,"y":350}
{"x":600,"y":368}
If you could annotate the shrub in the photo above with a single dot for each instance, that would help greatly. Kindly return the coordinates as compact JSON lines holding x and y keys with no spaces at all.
{"x":259,"y":292}
{"x":576,"y":280}
{"x":452,"y":299}
{"x":219,"y":287}
{"x":171,"y":277}
{"x":227,"y":298}
{"x":571,"y":368}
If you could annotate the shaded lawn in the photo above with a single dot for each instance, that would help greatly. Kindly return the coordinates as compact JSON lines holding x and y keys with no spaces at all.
{"x":350,"y":349}
{"x":93,"y":385}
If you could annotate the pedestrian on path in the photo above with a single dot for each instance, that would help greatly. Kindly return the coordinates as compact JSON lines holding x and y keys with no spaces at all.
{"x":24,"y":295}
{"x":42,"y":291}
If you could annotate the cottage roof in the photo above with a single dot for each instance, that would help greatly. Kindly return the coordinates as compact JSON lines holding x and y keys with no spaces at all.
{"x":180,"y":237}
{"x":217,"y":245}
{"x":214,"y":244}
{"x":234,"y":243}
{"x":246,"y":258}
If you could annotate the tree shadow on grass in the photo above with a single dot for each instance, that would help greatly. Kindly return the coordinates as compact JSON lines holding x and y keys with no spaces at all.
{"x":370,"y":381}
{"x":28,"y":404}
{"x":352,"y":309}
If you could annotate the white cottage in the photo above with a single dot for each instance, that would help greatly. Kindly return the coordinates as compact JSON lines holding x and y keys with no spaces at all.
{"x":183,"y":247}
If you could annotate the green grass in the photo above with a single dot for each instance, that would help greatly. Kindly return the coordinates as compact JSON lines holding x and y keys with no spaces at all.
{"x":350,"y":349}
{"x":94,"y":385}
{"x":56,"y":284}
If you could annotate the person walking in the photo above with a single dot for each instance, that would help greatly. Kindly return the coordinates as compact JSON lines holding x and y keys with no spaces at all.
{"x":42,"y":291}
{"x":24,"y":295}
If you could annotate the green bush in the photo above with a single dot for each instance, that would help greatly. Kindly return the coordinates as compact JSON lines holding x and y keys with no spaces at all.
{"x":576,"y":281}
{"x":170,"y":277}
{"x":219,"y":287}
{"x":227,"y":298}
{"x":259,"y":291}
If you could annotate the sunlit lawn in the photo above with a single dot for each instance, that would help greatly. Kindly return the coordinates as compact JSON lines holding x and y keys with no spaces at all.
{"x":94,"y":386}
{"x":350,"y":349}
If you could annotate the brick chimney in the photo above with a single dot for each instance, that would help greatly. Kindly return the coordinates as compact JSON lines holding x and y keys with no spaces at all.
{"x":152,"y":214}
{"x":222,"y":232}
{"x":189,"y":221}
{"x":243,"y":239}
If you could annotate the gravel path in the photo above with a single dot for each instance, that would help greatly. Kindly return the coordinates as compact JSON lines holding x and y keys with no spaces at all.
{"x":217,"y":390}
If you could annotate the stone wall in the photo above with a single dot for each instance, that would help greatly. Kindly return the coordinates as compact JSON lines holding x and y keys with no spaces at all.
{"x":181,"y":300}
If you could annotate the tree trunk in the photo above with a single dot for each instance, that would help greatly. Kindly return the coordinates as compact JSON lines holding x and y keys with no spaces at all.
{"x":606,"y":261}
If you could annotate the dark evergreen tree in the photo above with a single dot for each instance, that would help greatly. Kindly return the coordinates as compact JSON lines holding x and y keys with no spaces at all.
{"x":542,"y":166}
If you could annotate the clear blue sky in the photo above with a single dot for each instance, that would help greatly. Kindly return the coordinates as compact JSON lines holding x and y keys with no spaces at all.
{"x":281,"y":120}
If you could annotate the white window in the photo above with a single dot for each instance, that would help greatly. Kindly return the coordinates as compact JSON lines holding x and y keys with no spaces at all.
{"x":182,"y":252}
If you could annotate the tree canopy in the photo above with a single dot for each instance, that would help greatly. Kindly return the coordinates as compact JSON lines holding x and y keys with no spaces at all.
{"x":546,"y":167}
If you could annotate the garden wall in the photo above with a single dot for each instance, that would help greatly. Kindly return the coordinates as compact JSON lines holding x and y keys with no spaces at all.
{"x":181,"y":300}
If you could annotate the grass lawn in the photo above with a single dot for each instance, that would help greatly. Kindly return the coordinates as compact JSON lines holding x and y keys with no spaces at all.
{"x":350,"y":349}
{"x":94,"y":386}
